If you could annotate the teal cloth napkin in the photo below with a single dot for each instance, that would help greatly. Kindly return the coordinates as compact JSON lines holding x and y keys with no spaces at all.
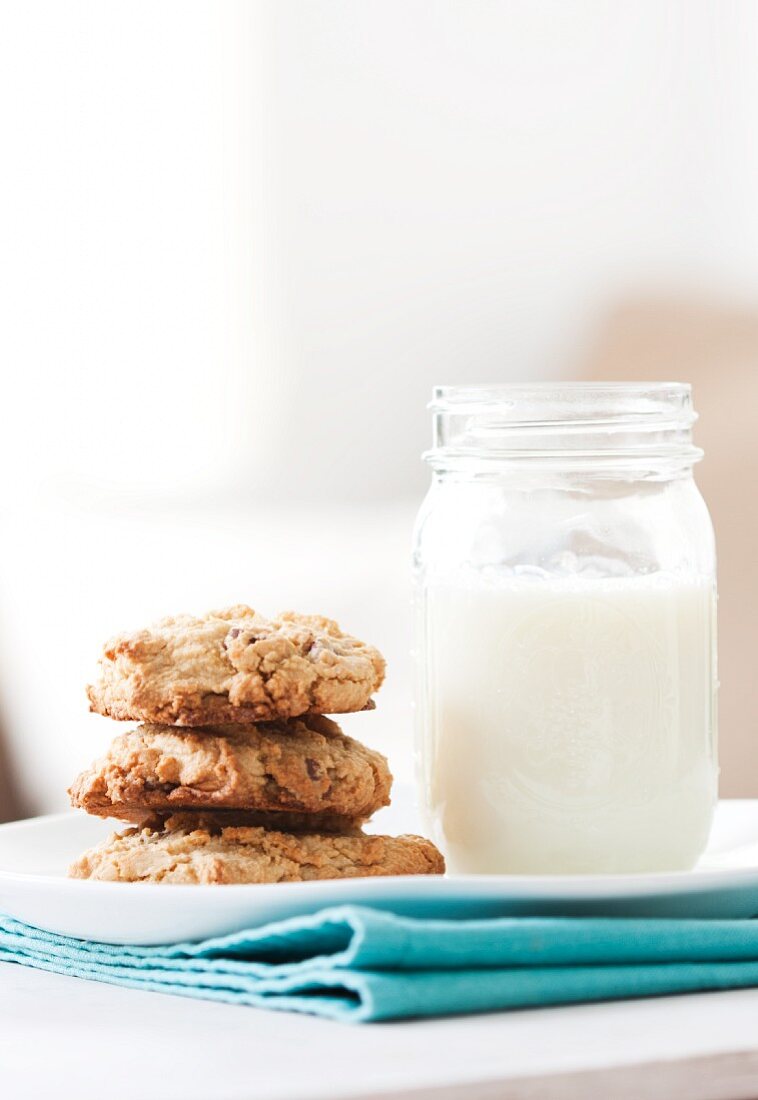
{"x":358,"y":964}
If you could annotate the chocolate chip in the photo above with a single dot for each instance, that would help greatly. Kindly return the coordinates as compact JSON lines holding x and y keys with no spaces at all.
{"x":314,"y":771}
{"x":234,"y":633}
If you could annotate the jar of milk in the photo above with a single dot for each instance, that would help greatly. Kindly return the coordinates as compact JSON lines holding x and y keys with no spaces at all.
{"x":565,"y":631}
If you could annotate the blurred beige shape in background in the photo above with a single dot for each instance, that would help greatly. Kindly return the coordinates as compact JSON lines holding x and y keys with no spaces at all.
{"x":10,"y":805}
{"x":715,"y":347}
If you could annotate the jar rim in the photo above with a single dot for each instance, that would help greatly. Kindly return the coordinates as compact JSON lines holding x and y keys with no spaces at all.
{"x":455,"y":397}
{"x":567,"y":420}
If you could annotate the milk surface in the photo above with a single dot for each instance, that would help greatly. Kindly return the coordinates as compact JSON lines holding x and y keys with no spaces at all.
{"x":568,"y":725}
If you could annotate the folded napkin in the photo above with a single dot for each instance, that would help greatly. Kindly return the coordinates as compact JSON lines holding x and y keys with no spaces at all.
{"x":352,"y":963}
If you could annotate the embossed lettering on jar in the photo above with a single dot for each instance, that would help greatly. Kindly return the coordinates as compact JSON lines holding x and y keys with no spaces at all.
{"x":565,"y":631}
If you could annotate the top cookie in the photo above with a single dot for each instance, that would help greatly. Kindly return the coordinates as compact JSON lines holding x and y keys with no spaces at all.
{"x":235,"y":666}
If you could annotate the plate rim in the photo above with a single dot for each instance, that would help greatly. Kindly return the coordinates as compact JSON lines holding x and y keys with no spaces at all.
{"x":562,"y":887}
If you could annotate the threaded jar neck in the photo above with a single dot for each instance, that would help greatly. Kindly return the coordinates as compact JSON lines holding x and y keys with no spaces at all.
{"x":582,"y":425}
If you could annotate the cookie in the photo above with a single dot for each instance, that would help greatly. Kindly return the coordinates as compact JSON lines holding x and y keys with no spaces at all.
{"x":302,"y":766}
{"x":286,"y":821}
{"x":250,"y":855}
{"x":235,"y":666}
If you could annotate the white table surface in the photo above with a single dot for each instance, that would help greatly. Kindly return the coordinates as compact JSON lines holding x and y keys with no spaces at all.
{"x":62,"y":1037}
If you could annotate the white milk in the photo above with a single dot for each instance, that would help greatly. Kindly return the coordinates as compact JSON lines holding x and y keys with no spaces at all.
{"x":568,"y":725}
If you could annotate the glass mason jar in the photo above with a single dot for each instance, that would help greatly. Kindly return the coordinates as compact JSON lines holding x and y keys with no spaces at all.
{"x":565,"y":631}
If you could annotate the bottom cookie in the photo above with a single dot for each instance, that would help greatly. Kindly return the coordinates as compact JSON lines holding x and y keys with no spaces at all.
{"x":244,"y":854}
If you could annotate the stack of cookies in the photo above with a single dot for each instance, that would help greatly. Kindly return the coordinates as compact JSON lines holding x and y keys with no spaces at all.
{"x":235,"y":775}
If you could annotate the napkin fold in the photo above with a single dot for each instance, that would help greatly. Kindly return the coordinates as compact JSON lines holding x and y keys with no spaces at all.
{"x":358,"y":964}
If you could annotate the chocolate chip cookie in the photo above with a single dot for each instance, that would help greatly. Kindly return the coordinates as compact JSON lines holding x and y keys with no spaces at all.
{"x":304,"y":766}
{"x":285,"y":821}
{"x":235,"y":666}
{"x":249,"y":855}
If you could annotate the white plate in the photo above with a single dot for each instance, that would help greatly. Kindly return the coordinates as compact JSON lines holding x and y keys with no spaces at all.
{"x":34,"y":855}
